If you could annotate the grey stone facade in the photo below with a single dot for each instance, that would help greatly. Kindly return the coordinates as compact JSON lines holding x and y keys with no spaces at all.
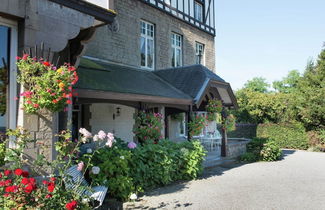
{"x":124,"y":46}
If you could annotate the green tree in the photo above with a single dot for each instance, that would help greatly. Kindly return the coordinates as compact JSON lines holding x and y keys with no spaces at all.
{"x":310,"y":95}
{"x":288,"y":83}
{"x":257,"y":84}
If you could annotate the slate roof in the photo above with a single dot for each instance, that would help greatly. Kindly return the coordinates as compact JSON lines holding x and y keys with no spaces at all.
{"x":96,"y":75}
{"x":189,"y":79}
{"x":187,"y":82}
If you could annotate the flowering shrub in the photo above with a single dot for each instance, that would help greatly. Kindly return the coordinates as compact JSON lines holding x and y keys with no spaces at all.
{"x":148,"y":126}
{"x":230,"y":123}
{"x":128,"y":170}
{"x":45,"y":85}
{"x":196,"y":125}
{"x":17,"y":189}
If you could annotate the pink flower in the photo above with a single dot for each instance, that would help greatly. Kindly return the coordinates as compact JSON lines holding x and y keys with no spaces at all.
{"x":25,"y":56}
{"x":95,"y":138}
{"x":101,"y":135}
{"x":109,"y":143}
{"x":132,"y":145}
{"x":110,"y":136}
{"x":85,"y":133}
{"x":80,"y":166}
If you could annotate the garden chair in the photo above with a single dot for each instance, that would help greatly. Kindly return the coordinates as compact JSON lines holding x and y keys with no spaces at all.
{"x":78,"y":183}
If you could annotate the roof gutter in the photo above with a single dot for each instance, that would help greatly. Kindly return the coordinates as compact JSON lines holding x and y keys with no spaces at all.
{"x":97,"y":12}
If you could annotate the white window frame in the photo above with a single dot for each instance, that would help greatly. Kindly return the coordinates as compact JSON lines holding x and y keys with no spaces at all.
{"x":183,"y":124}
{"x":177,"y":44}
{"x":197,"y":5}
{"x":147,"y":37}
{"x":12,"y":106}
{"x":199,"y":45}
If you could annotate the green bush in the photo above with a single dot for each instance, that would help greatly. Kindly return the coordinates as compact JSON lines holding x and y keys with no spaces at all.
{"x":160,"y":164}
{"x":288,"y":135}
{"x":126,"y":171}
{"x":261,"y":149}
{"x":2,"y":153}
{"x":115,"y":171}
{"x":270,"y":152}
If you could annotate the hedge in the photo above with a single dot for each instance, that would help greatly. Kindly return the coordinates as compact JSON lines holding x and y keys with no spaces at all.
{"x":285,"y":135}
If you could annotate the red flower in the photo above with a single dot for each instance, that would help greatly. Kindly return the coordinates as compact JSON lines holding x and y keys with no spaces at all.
{"x":71,"y":68}
{"x":48,"y":196}
{"x":36,"y":105}
{"x":25,"y":56}
{"x":18,"y":58}
{"x":12,"y":189}
{"x":32,"y":180}
{"x":25,"y":181}
{"x":72,"y":205}
{"x":25,"y":174}
{"x":7,"y":172}
{"x":19,"y":171}
{"x":45,"y":63}
{"x":51,"y":187}
{"x":8,"y":182}
{"x":69,"y":102}
{"x":0,"y":175}
{"x":53,"y":179}
{"x":55,"y":101}
{"x":2,"y":183}
{"x":29,"y":188}
{"x":45,"y":182}
{"x":6,"y":195}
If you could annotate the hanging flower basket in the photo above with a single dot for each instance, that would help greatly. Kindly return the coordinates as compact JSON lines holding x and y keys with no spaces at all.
{"x":196,"y":125}
{"x":214,"y":106}
{"x":45,"y":85}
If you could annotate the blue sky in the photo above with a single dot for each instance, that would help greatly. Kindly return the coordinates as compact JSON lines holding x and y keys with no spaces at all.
{"x":266,"y":38}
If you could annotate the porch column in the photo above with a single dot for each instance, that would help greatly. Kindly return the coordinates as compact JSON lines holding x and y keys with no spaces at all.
{"x":224,"y":140}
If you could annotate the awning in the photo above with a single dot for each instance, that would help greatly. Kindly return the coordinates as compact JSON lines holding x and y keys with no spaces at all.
{"x":188,"y":85}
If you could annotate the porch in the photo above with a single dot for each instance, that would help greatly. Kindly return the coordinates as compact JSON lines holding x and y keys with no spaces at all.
{"x":111,"y":95}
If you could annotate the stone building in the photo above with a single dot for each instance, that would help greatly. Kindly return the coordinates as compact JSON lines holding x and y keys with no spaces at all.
{"x":131,"y":55}
{"x":158,"y":55}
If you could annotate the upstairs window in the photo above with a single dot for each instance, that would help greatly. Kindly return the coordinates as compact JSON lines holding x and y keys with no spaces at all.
{"x":198,"y":11}
{"x":176,"y":50}
{"x":147,"y":45}
{"x":199,"y":51}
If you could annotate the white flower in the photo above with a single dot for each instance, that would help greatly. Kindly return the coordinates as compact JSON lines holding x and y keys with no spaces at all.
{"x":84,"y":139}
{"x":89,"y":150}
{"x":85,"y":133}
{"x":95,"y":170}
{"x":95,"y":138}
{"x":85,"y":200}
{"x":133,"y":196}
{"x":122,"y":157}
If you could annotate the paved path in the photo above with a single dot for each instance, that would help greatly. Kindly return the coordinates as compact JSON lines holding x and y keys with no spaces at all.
{"x":296,"y":182}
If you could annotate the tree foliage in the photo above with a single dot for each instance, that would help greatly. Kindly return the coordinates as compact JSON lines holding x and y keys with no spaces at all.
{"x":297,"y":98}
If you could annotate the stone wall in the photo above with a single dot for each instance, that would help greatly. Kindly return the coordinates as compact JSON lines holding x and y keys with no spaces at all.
{"x":124,"y":46}
{"x":236,"y":148}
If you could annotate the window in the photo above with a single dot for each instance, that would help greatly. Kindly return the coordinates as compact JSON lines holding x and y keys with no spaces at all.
{"x":176,"y":50}
{"x":182,"y":125}
{"x":8,"y":87}
{"x":199,"y":51}
{"x":198,"y":11}
{"x":147,"y":45}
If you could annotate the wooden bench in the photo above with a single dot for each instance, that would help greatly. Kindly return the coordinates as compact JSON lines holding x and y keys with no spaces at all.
{"x":77,"y":182}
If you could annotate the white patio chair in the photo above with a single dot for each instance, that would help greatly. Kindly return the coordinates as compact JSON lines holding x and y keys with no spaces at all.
{"x":77,"y":179}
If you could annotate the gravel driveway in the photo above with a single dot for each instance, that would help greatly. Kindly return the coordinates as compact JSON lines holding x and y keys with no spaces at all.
{"x":296,"y":182}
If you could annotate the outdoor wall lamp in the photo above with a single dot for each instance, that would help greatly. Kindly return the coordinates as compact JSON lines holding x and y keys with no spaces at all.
{"x":118,"y":113}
